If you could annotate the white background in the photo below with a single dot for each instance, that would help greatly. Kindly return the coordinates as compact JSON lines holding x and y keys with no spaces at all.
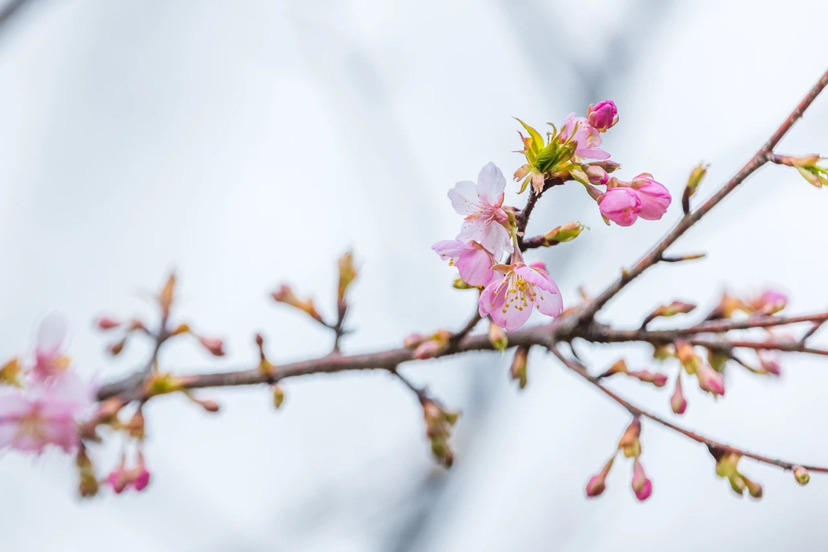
{"x":249,"y":143}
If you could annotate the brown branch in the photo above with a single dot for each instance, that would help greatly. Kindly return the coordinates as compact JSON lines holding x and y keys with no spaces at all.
{"x":588,"y":311}
{"x":637,"y":411}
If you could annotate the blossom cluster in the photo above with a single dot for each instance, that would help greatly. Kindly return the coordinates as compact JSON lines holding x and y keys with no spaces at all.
{"x":511,"y":289}
{"x":43,"y":401}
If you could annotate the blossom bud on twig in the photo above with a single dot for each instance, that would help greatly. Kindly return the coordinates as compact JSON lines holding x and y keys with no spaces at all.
{"x":678,"y":402}
{"x":693,"y":182}
{"x":710,"y":380}
{"x":497,"y":337}
{"x":801,"y":475}
{"x":285,"y":295}
{"x":167,"y":296}
{"x":278,"y":396}
{"x":105,"y":323}
{"x":518,"y":371}
{"x":214,"y":346}
{"x":641,"y":484}
{"x":598,"y":483}
{"x":630,"y":443}
{"x":674,"y":308}
{"x":562,"y":234}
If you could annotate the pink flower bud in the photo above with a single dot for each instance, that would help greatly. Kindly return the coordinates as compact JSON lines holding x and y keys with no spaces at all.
{"x":769,"y":362}
{"x":655,"y":199}
{"x":801,"y":474}
{"x":710,"y":380}
{"x":641,"y":484}
{"x":215,"y":346}
{"x":770,"y":302}
{"x":603,"y":116}
{"x":598,"y":482}
{"x":427,"y":349}
{"x":597,"y":175}
{"x":105,"y":323}
{"x":677,"y":401}
{"x":620,"y":205}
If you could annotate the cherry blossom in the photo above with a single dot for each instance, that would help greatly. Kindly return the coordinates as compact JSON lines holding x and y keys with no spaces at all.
{"x":587,"y":138}
{"x":471,"y":259}
{"x":510,"y":297}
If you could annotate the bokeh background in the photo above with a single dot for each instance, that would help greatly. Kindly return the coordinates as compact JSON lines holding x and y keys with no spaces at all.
{"x":246,"y":143}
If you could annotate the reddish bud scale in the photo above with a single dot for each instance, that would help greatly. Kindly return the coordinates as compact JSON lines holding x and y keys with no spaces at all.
{"x":106,"y":323}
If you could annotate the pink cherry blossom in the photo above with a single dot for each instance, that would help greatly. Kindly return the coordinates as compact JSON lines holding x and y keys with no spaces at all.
{"x":510,"y":296}
{"x":482,"y":204}
{"x":602,"y":116}
{"x":586,"y":137}
{"x":641,"y":484}
{"x":471,"y":259}
{"x":49,"y":357}
{"x":655,"y":199}
{"x":47,"y":412}
{"x":620,"y":205}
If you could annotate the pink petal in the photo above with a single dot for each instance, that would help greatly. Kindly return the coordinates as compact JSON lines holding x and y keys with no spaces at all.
{"x":548,"y":298}
{"x":51,"y":334}
{"x":491,"y":184}
{"x":451,"y":249}
{"x":493,"y":296}
{"x":475,"y":267}
{"x":496,"y":239}
{"x":511,"y":315}
{"x":464,"y":198}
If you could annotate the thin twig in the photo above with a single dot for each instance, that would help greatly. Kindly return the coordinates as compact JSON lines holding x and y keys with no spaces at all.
{"x":637,"y":411}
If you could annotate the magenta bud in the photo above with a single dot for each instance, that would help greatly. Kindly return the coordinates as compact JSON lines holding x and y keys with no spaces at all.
{"x":710,"y":380}
{"x":602,"y":116}
{"x":655,"y":199}
{"x":598,"y":483}
{"x":620,"y":205}
{"x":677,"y":401}
{"x":641,"y":484}
{"x":769,"y":362}
{"x":105,"y":323}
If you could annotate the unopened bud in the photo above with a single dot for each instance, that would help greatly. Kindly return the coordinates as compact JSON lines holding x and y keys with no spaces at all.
{"x":167,"y":296}
{"x":726,"y":462}
{"x":285,"y":295}
{"x":116,"y":348}
{"x":641,"y":484}
{"x":677,"y":402}
{"x":214,"y":346}
{"x":347,"y":275}
{"x":659,"y":380}
{"x":674,"y":308}
{"x":753,"y":488}
{"x":598,"y":483}
{"x":770,"y":302}
{"x":801,"y":475}
{"x":518,"y":371}
{"x":136,"y":425}
{"x":693,"y":182}
{"x":497,"y":337}
{"x":769,"y":362}
{"x":105,"y":323}
{"x":413,"y":340}
{"x":460,"y":284}
{"x":88,"y":485}
{"x":278,"y":396}
{"x":597,"y":175}
{"x":687,"y":357}
{"x":607,"y":165}
{"x":630,"y":443}
{"x":710,"y":380}
{"x":562,"y":234}
{"x":619,"y":367}
{"x":664,"y":352}
{"x":602,"y":116}
{"x":737,"y":483}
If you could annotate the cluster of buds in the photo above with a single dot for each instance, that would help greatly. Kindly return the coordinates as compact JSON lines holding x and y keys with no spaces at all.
{"x":768,"y":303}
{"x":630,"y":446}
{"x":808,"y":167}
{"x":122,"y":478}
{"x":439,"y":424}
{"x":666,"y":311}
{"x":709,"y":379}
{"x":727,"y":464}
{"x":620,"y":367}
{"x":625,"y":202}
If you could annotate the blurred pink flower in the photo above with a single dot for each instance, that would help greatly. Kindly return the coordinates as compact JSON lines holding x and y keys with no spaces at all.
{"x":770,"y":302}
{"x":620,"y":205}
{"x":511,"y":295}
{"x":602,"y":116}
{"x":586,"y":137}
{"x":482,"y":204}
{"x":49,"y":357}
{"x":710,"y":380}
{"x":46,"y":413}
{"x":471,"y":259}
{"x":121,"y":478}
{"x":641,"y":484}
{"x":655,"y":199}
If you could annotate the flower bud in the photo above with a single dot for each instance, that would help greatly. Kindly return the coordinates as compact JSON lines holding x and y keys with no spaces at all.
{"x":808,"y":168}
{"x":214,"y":346}
{"x":710,"y":380}
{"x":562,"y":234}
{"x":607,"y":164}
{"x":347,"y":274}
{"x":620,"y":205}
{"x":630,"y":443}
{"x":677,"y":402}
{"x":136,"y":425}
{"x":770,"y":302}
{"x":116,"y":348}
{"x":413,"y":340}
{"x":659,"y":380}
{"x":105,"y":323}
{"x":597,"y":175}
{"x":769,"y":362}
{"x":753,"y":488}
{"x":602,"y":116}
{"x":726,"y":462}
{"x":285,"y":295}
{"x":641,"y":484}
{"x":598,"y":482}
{"x":518,"y":371}
{"x":737,"y":483}
{"x":687,"y":357}
{"x":801,"y":475}
{"x":619,"y":367}
{"x":655,"y":199}
{"x":497,"y":337}
{"x":692,"y":185}
{"x":167,"y":296}
{"x":278,"y":396}
{"x":427,"y":349}
{"x":460,"y":284}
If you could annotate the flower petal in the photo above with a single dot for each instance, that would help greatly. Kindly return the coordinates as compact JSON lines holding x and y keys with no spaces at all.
{"x":492,"y":297}
{"x":475,"y":267}
{"x":491,"y":184}
{"x":495,"y":238}
{"x":464,"y":198}
{"x":452,"y":249}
